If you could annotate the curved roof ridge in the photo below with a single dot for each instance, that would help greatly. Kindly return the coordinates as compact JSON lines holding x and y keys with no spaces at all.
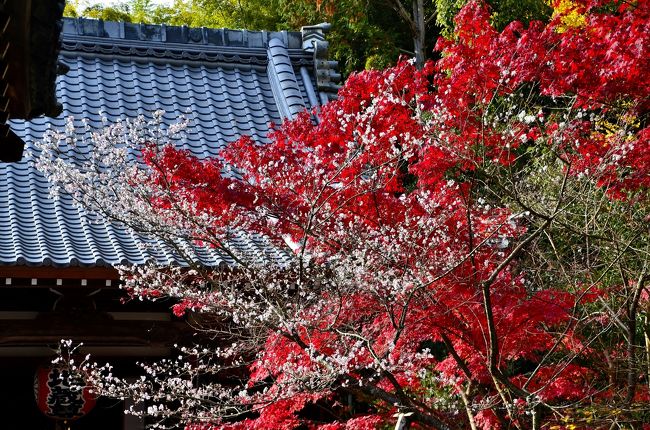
{"x":131,"y":34}
{"x":284,"y":83}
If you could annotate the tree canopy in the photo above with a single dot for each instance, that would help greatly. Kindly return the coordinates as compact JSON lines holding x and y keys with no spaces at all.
{"x":365,"y":34}
{"x":469,"y":241}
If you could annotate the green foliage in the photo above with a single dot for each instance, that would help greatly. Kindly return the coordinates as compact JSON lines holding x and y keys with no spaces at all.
{"x":141,"y":10}
{"x":365,"y":33}
{"x":70,"y":10}
{"x":250,"y":14}
{"x":503,"y":12}
{"x":443,"y":397}
{"x":506,"y":11}
{"x":119,"y":13}
{"x":360,"y":30}
{"x":597,"y":417}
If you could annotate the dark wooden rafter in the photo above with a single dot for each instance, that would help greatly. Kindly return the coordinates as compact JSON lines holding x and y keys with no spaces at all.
{"x":98,"y":329}
{"x":40,"y":317}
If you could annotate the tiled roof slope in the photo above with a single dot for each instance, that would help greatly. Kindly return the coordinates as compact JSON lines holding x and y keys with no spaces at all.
{"x":229,"y":82}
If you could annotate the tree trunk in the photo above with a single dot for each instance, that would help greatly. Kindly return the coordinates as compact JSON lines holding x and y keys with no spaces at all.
{"x":632,"y":346}
{"x":419,"y":33}
{"x":417,"y":24}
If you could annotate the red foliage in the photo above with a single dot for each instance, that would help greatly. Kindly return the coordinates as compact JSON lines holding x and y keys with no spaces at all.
{"x":385,"y":171}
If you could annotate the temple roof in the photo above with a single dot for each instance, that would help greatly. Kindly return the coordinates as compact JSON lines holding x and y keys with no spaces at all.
{"x":229,"y":83}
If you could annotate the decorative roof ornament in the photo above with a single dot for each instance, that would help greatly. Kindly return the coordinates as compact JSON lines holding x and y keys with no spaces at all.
{"x":326,"y":71}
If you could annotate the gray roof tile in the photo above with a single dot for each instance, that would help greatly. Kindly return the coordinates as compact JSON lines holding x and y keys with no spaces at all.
{"x":230,"y":83}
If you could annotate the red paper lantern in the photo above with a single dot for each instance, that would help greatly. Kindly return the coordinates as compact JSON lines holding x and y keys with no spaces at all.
{"x":56,"y":396}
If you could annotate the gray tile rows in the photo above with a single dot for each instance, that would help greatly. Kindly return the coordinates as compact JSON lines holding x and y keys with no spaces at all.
{"x":224,"y":101}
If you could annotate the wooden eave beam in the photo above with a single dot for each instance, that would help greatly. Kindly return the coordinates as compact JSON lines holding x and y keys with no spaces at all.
{"x":53,"y":273}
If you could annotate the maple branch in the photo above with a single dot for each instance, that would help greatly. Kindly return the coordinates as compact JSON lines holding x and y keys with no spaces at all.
{"x":560,"y":339}
{"x":404,"y":14}
{"x":461,"y":363}
{"x":493,"y":350}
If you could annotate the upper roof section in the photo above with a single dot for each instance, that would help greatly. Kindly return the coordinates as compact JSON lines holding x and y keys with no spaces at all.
{"x":163,"y":43}
{"x":228,"y":83}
